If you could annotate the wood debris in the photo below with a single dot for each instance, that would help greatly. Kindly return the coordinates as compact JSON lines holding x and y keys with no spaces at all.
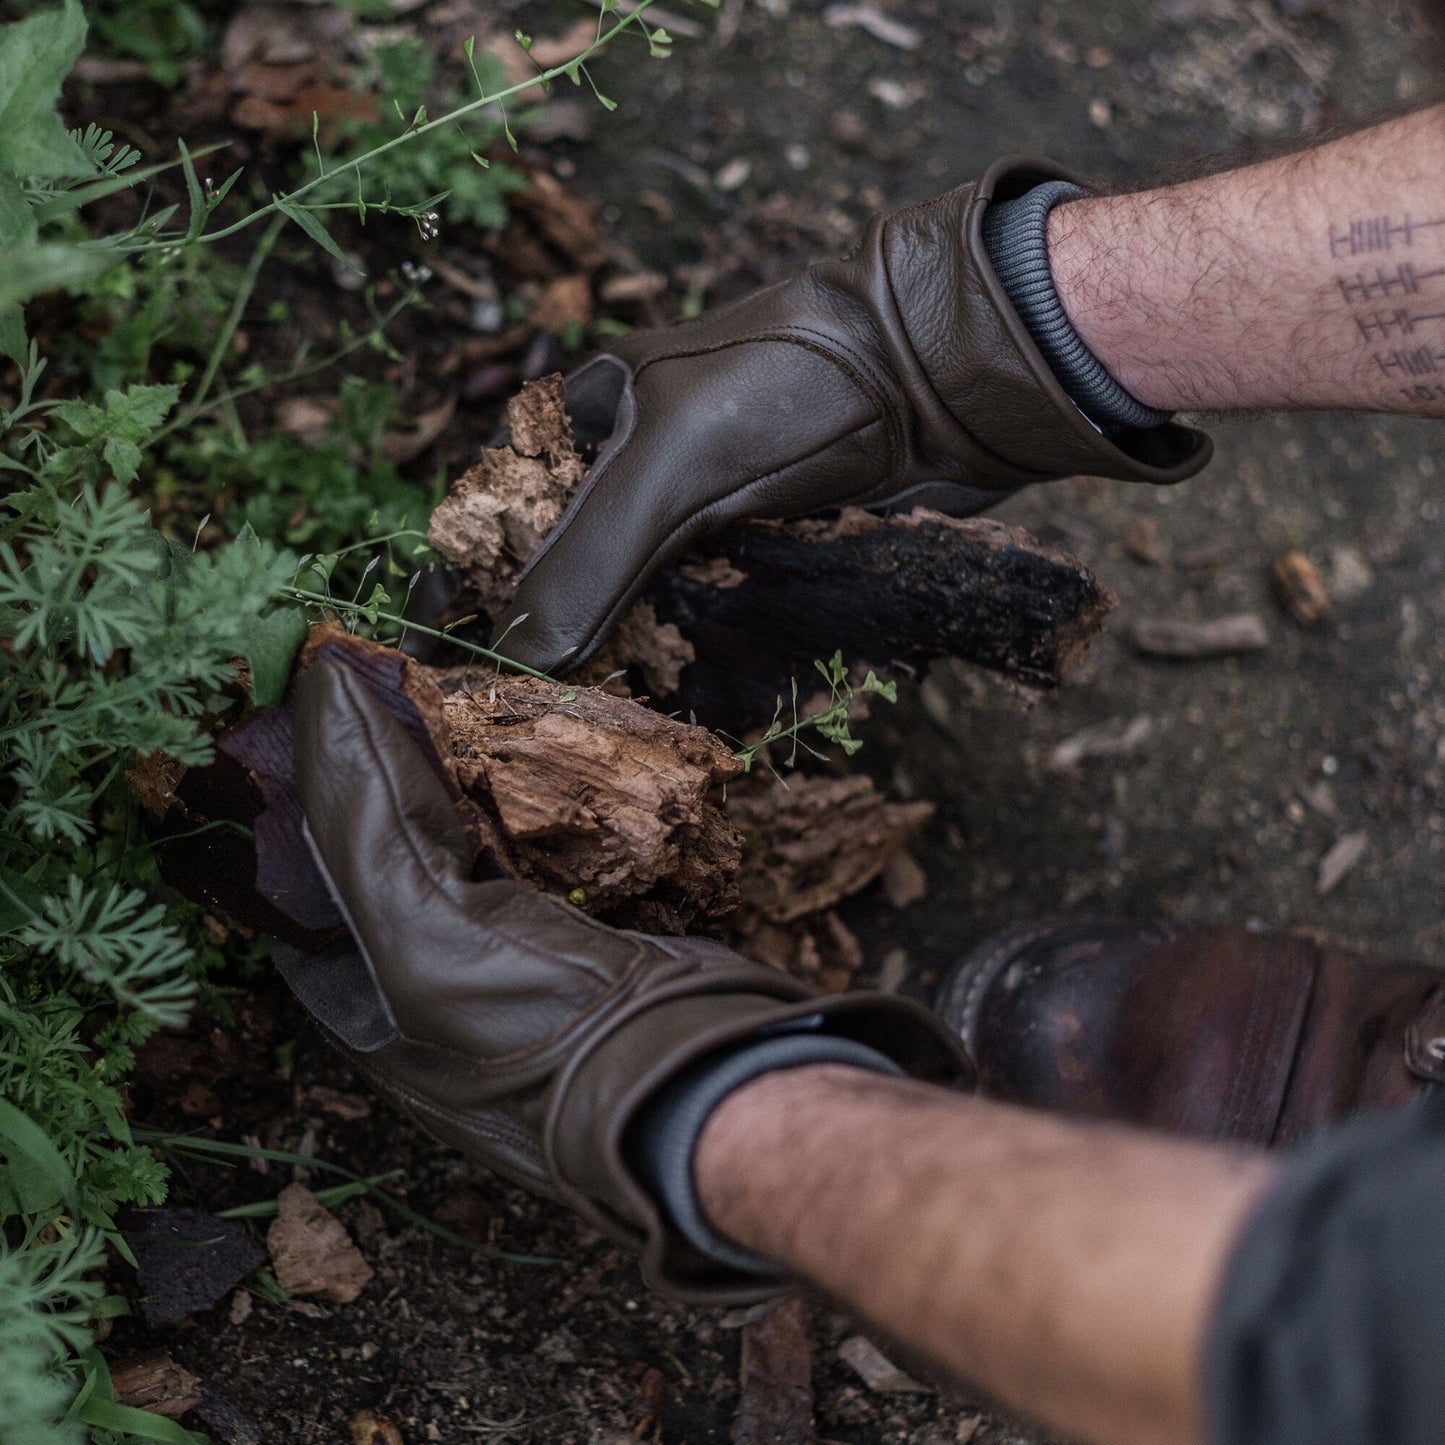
{"x":496,"y":514}
{"x":1218,"y":637}
{"x":775,"y":1378}
{"x":1118,"y":737}
{"x":311,"y":1251}
{"x":1143,"y":542}
{"x":904,"y":881}
{"x":816,"y":843}
{"x":873,"y":22}
{"x":156,"y":1383}
{"x":1340,"y":860}
{"x":876,"y":1370}
{"x":152,"y":778}
{"x":1300,"y":588}
{"x":600,"y":794}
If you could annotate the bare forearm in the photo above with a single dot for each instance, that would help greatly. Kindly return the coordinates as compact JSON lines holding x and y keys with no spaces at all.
{"x":1317,"y":280}
{"x":1067,"y":1270}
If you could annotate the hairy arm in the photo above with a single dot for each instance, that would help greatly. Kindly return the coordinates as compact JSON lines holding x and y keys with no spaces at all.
{"x":1068,"y":1270}
{"x":1317,"y":280}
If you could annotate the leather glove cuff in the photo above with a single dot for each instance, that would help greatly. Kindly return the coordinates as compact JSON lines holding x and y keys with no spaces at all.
{"x":601,"y":1093}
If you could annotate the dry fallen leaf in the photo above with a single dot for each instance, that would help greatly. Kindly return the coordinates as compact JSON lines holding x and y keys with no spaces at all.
{"x":311,"y":1251}
{"x":367,"y":1427}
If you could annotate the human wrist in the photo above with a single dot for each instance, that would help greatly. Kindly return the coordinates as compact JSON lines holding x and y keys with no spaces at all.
{"x":1016,"y":238}
{"x":664,"y":1140}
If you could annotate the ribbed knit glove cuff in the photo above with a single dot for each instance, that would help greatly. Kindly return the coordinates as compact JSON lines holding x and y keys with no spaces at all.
{"x":1015,"y":234}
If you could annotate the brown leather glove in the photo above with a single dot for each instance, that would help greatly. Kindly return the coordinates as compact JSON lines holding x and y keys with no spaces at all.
{"x":900,"y":376}
{"x":507,"y":1023}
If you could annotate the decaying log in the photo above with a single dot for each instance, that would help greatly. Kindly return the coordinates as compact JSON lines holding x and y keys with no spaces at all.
{"x":721,"y":637}
{"x":766,"y":599}
{"x":568,"y":788}
{"x":618,"y":805}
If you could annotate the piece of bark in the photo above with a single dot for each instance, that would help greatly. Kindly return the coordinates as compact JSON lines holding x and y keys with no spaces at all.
{"x":156,"y":1383}
{"x":228,"y":1424}
{"x":722,"y":636}
{"x":495,"y":516}
{"x":815,"y":843}
{"x":188,"y":1261}
{"x":891,"y":593}
{"x":311,"y":1251}
{"x":1218,"y":637}
{"x":775,"y":1377}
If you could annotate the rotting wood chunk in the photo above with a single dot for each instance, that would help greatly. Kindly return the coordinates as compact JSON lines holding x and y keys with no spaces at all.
{"x":156,"y":1383}
{"x":600,"y":794}
{"x":496,"y":515}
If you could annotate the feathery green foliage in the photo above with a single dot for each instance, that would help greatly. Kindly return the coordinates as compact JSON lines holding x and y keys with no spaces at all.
{"x":118,"y":641}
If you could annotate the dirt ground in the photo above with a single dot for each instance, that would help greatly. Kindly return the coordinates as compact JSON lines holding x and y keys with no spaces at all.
{"x":739,"y":158}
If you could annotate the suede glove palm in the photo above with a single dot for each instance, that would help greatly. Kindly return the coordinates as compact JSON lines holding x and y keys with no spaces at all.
{"x":899,"y":376}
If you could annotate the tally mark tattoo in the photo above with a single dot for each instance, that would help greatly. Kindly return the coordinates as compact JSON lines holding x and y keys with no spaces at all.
{"x":1370,"y":235}
{"x":1392,"y":319}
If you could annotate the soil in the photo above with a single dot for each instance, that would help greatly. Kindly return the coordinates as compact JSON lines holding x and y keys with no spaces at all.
{"x":727,"y":166}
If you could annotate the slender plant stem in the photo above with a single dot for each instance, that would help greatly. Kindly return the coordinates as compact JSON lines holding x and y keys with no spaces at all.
{"x":222,"y":344}
{"x":301,"y":594}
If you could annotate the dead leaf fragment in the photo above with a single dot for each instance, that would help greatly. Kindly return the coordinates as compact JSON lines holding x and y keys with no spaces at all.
{"x":188,"y":1261}
{"x":1341,"y":858}
{"x":311,"y":1251}
{"x":1300,"y":588}
{"x":413,"y":437}
{"x":631,"y":290}
{"x":368,"y":1427}
{"x":566,"y":303}
{"x":156,"y":1383}
{"x":152,"y":778}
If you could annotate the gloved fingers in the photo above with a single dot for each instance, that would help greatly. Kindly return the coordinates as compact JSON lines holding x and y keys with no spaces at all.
{"x":764,"y":426}
{"x":596,"y":559}
{"x":381,"y":823}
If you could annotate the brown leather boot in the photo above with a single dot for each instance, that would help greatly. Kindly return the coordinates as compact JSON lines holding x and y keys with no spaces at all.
{"x":1218,"y":1033}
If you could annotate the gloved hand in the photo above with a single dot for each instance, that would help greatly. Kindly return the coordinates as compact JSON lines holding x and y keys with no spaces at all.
{"x":507,"y":1023}
{"x":900,"y":376}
